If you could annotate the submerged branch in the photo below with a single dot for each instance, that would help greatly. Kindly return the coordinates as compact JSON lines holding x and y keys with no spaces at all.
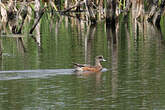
{"x":37,"y":20}
{"x":22,"y":44}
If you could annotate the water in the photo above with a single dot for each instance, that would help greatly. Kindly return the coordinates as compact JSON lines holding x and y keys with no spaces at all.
{"x":39,"y":76}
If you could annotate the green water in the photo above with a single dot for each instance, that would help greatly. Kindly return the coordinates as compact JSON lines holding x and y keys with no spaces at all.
{"x":135,"y":78}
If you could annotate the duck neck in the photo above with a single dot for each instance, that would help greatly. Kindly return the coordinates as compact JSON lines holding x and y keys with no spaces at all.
{"x":97,"y":63}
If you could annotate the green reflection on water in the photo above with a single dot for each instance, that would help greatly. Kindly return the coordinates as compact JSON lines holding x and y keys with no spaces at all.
{"x":135,"y":59}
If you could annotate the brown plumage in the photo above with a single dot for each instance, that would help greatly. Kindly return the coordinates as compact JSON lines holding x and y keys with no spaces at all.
{"x":85,"y":67}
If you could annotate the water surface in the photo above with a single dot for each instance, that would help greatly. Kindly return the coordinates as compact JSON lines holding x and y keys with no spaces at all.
{"x":39,"y":76}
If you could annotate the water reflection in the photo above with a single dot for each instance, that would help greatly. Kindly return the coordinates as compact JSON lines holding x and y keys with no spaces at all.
{"x":88,"y":43}
{"x":134,"y":51}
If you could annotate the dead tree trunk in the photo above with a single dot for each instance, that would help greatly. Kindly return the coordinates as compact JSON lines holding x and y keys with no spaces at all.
{"x":67,"y":4}
{"x":12,"y":16}
{"x":39,"y":12}
{"x":127,"y":7}
{"x":153,"y":10}
{"x":23,"y":14}
{"x":90,"y":11}
{"x":156,"y":13}
{"x":101,"y":9}
{"x":159,"y":13}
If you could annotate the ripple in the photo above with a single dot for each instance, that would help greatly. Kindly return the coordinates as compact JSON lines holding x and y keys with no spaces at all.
{"x":24,"y":74}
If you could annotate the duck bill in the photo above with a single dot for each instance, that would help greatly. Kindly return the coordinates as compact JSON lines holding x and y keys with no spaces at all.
{"x":104,"y":60}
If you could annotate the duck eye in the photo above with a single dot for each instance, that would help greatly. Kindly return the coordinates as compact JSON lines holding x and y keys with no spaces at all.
{"x":100,"y":57}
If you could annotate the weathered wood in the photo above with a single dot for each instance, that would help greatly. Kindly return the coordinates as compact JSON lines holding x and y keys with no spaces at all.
{"x":101,"y":9}
{"x":156,"y":13}
{"x":23,"y":14}
{"x":3,"y":11}
{"x":90,"y":11}
{"x":128,"y":6}
{"x":12,"y":16}
{"x":78,"y":4}
{"x":159,"y":13}
{"x":153,"y":10}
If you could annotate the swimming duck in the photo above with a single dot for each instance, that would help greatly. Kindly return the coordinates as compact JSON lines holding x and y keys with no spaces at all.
{"x":85,"y":67}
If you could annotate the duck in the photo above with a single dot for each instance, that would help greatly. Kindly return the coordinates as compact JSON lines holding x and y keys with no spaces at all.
{"x":85,"y":67}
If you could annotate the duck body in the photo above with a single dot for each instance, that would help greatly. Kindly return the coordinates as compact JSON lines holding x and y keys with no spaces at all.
{"x":88,"y":68}
{"x":85,"y":67}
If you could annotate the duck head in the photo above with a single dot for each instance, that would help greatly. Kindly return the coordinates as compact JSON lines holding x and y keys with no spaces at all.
{"x":100,"y":58}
